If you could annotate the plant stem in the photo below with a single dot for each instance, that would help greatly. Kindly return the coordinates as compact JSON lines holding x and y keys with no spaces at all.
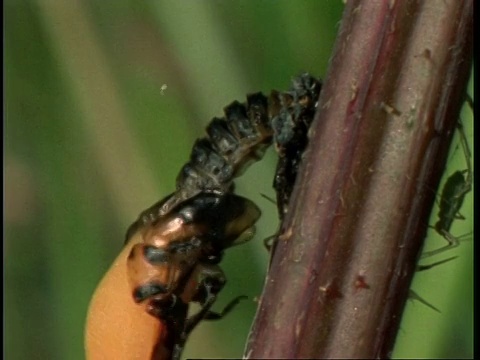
{"x":348,"y":247}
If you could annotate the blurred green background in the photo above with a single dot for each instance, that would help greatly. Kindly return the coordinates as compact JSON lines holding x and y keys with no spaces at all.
{"x":91,"y":140}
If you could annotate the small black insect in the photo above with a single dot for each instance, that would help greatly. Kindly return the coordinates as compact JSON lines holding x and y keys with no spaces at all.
{"x":457,"y":186}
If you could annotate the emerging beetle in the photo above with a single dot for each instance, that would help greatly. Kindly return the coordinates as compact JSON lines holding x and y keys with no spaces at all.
{"x":184,"y":235}
{"x":176,"y":263}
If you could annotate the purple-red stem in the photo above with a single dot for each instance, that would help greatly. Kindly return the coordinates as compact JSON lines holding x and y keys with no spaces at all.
{"x":348,"y":247}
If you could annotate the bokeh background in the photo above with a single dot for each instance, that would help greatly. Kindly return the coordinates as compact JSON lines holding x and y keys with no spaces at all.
{"x":91,"y":139}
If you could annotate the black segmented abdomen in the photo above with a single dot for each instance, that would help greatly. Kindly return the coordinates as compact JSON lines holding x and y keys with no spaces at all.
{"x":232,"y":144}
{"x":240,"y":138}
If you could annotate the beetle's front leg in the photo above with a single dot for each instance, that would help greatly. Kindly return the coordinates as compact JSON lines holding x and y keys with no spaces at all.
{"x":203,"y":286}
{"x":204,"y":283}
{"x":209,"y":280}
{"x":212,"y":315}
{"x":172,"y":312}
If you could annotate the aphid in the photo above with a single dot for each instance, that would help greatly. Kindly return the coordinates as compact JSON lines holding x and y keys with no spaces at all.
{"x":457,"y":186}
{"x":184,"y":235}
{"x":453,"y":194}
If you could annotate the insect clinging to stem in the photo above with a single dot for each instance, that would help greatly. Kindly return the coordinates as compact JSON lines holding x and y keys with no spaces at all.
{"x":457,"y":186}
{"x":183,"y":236}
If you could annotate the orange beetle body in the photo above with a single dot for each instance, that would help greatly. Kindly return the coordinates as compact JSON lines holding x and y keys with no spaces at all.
{"x":116,"y":327}
{"x":165,"y":265}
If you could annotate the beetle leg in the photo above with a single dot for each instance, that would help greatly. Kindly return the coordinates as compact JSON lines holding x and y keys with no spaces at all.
{"x":172,"y":312}
{"x":203,"y":286}
{"x":211,"y":315}
{"x":210,"y":279}
{"x":168,"y":309}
